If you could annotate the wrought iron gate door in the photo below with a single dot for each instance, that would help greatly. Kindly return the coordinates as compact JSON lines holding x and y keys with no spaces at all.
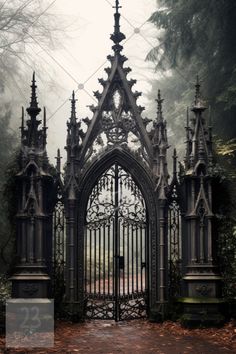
{"x":116,"y":248}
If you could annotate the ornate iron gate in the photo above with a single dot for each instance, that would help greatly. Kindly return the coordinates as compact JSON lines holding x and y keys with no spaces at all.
{"x":58,"y":248}
{"x":116,"y":248}
{"x":174,"y":244}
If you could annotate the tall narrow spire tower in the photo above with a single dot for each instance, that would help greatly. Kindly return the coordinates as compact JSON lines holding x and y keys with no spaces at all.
{"x":202,"y":279}
{"x":199,"y":140}
{"x":35,"y":187}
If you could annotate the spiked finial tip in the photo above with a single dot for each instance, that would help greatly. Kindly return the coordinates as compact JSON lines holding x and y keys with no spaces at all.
{"x":58,"y":161}
{"x":159,"y":101}
{"x":33,"y":109}
{"x":198,"y":103}
{"x":175,"y":157}
{"x":73,"y":108}
{"x":44,"y":117}
{"x":22,"y":117}
{"x":117,"y":36}
{"x":117,"y":6}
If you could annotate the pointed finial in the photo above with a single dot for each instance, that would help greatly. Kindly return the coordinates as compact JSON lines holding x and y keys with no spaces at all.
{"x":44,"y":117}
{"x":117,"y":6}
{"x":198,"y":104}
{"x":22,"y":118}
{"x":44,"y":127}
{"x":175,"y":163}
{"x":117,"y":36}
{"x":58,"y":161}
{"x":33,"y":109}
{"x":187,"y":118}
{"x":73,"y":108}
{"x":159,"y":101}
{"x":187,"y":125}
{"x":34,"y":102}
{"x":22,"y":127}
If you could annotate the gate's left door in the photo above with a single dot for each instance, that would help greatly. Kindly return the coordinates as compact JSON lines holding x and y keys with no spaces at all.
{"x":116,"y":256}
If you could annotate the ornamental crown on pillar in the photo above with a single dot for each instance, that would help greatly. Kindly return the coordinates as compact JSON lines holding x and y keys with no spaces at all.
{"x":31,"y":135}
{"x":198,"y":158}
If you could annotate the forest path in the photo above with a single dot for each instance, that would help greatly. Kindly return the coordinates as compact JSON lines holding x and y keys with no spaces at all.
{"x":136,"y":337}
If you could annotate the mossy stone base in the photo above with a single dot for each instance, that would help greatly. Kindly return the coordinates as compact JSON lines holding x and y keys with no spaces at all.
{"x":202,"y":312}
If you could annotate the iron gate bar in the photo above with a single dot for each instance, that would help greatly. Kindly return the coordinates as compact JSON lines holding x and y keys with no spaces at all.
{"x":116,"y":234}
{"x":116,"y":255}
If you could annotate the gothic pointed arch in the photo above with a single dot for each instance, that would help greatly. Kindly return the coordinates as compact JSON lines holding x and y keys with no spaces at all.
{"x":117,"y":135}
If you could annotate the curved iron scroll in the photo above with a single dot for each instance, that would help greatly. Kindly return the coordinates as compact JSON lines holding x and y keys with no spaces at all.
{"x":102,"y":204}
{"x":115,"y":248}
{"x":59,"y":249}
{"x":174,"y":239}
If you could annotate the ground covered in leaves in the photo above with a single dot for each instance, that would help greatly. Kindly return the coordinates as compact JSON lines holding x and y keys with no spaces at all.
{"x":139,"y":337}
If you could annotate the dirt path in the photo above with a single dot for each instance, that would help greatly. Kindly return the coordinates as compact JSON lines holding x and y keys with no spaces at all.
{"x":136,"y":337}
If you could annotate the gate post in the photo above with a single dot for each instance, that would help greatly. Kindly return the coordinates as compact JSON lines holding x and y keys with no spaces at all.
{"x":161,"y":175}
{"x":74,"y":264}
{"x":34,"y":188}
{"x":202,"y":280}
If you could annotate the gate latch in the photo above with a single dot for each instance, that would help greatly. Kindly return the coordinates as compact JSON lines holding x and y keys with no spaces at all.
{"x":121,"y":262}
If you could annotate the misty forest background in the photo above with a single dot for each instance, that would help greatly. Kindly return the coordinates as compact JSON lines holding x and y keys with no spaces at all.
{"x":193,"y":37}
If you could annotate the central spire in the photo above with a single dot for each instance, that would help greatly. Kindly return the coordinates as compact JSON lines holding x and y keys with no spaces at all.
{"x":33,"y":110}
{"x":159,"y":101}
{"x":117,"y":36}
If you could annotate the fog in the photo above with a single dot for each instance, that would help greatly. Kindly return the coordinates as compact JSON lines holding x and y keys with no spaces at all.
{"x":80,"y":58}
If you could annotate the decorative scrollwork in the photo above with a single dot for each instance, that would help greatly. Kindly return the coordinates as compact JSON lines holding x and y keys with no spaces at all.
{"x":117,"y":126}
{"x":174,"y":232}
{"x":30,"y":289}
{"x":59,"y":255}
{"x":59,"y":234}
{"x":131,"y":309}
{"x":115,"y":248}
{"x":103,"y":309}
{"x":203,"y":290}
{"x":102,"y":206}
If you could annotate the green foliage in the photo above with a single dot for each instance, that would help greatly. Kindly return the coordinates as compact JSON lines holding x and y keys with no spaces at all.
{"x":8,"y":168}
{"x":227,"y":253}
{"x":225,"y":213}
{"x":5,"y":289}
{"x":197,"y":37}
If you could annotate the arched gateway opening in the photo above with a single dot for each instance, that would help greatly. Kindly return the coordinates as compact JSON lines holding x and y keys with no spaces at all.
{"x":116,"y":248}
{"x":116,"y":253}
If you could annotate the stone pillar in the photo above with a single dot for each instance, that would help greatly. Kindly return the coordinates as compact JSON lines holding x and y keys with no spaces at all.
{"x":34,"y":191}
{"x":202,"y":281}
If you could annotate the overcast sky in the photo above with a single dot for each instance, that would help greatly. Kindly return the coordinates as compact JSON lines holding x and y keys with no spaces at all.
{"x":84,"y":50}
